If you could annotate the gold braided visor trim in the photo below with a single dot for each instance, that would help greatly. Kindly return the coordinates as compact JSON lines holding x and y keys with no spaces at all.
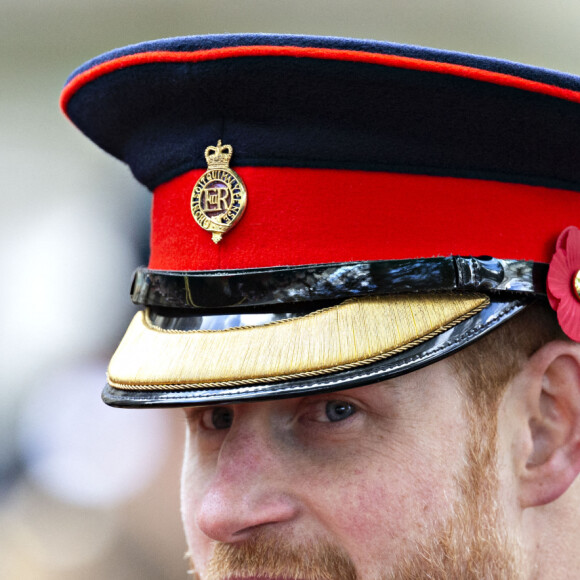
{"x":354,"y":333}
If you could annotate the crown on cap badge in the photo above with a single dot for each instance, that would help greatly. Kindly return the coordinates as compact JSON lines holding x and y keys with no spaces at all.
{"x":219,"y":197}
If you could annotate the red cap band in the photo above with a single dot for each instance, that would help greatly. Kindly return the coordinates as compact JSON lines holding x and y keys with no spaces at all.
{"x":308,"y":216}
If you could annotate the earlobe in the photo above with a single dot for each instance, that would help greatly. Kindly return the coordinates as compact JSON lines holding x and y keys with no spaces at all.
{"x":552,"y":391}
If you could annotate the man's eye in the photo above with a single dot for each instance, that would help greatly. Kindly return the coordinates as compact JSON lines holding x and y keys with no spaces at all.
{"x":339,"y":410}
{"x":217,"y":418}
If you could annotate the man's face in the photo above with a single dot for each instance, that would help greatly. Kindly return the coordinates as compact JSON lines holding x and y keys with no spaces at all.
{"x":380,"y":482}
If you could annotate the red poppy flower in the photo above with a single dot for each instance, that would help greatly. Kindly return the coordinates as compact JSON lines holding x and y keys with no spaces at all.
{"x":564,"y":282}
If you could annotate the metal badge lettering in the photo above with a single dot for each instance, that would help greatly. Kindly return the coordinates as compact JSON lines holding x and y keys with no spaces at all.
{"x":219,"y":197}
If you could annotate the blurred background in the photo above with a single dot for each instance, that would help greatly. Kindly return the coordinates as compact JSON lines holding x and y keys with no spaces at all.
{"x":87,"y":491}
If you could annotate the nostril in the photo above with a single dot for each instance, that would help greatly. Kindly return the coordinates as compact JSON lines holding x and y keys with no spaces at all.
{"x":248,"y":531}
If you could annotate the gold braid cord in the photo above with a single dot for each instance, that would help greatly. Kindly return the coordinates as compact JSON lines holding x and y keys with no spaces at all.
{"x":352,"y":334}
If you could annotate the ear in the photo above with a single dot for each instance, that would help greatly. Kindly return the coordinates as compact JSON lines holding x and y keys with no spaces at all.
{"x":550,"y":384}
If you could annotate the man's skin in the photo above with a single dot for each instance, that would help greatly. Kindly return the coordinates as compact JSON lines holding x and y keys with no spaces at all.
{"x":384,"y":477}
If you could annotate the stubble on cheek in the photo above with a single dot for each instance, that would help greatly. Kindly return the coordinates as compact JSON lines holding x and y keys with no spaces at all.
{"x":474,"y":542}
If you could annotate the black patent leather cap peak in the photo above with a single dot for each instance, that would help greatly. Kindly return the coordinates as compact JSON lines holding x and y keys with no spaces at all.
{"x":443,"y":345}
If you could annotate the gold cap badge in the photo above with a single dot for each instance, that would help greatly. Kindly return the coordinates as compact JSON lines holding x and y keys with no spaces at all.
{"x":219,"y":197}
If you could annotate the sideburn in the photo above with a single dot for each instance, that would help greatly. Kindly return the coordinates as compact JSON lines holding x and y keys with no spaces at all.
{"x":475,"y":542}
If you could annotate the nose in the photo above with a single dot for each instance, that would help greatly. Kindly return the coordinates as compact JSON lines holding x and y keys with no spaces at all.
{"x":249,"y":488}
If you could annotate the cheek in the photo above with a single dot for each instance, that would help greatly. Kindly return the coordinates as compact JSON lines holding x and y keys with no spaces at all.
{"x":390,"y":504}
{"x":378,"y":514}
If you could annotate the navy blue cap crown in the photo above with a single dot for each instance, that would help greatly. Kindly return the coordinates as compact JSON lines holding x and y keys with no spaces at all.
{"x":157,"y":105}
